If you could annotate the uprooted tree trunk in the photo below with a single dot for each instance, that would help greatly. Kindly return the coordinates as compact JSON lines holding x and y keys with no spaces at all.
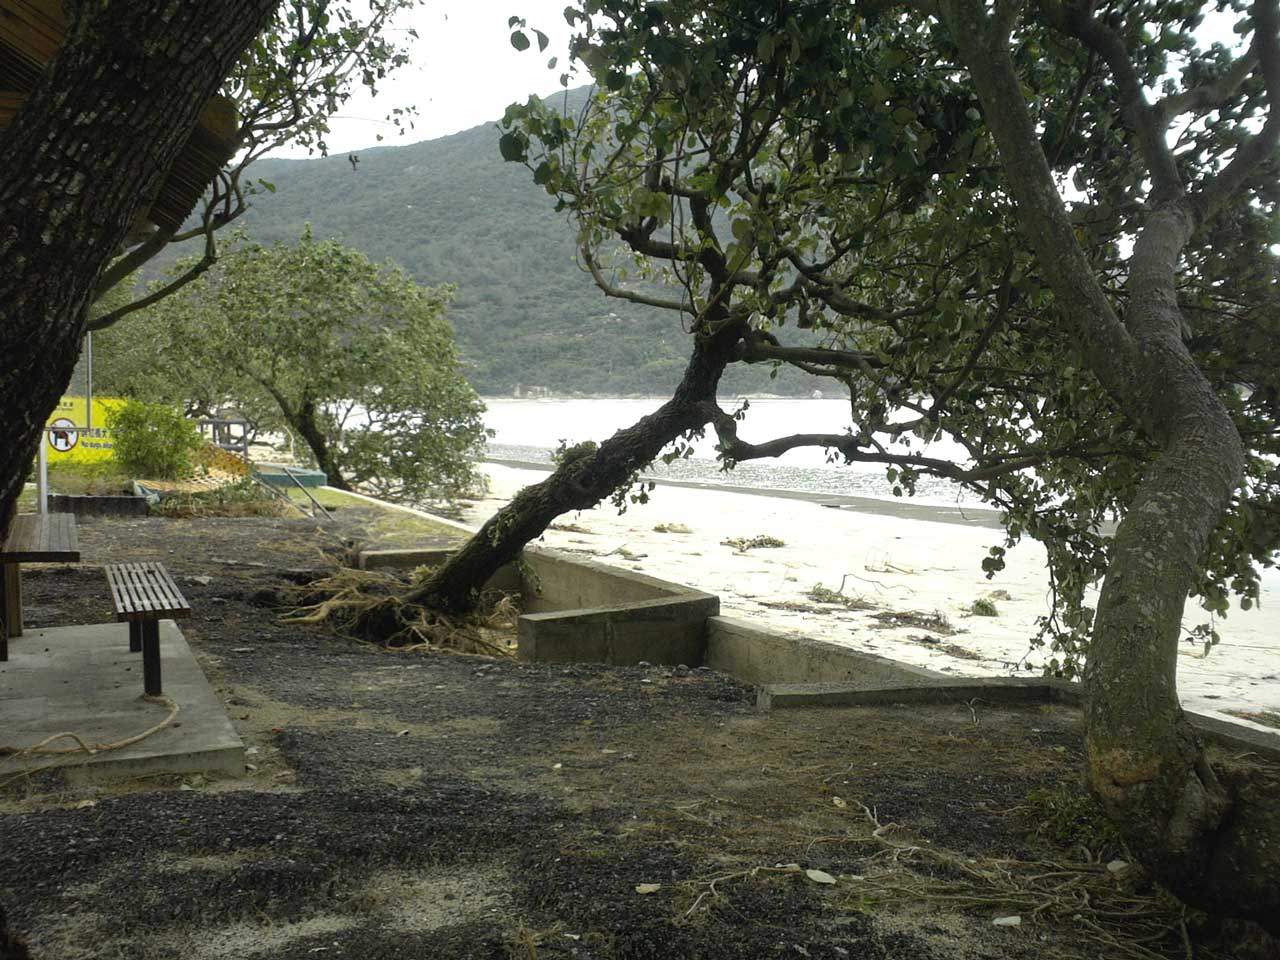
{"x":1211,"y":834}
{"x":580,"y":482}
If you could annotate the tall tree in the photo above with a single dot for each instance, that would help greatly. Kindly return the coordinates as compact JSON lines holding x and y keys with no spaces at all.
{"x":890,"y":180}
{"x":1211,"y":834}
{"x":92,"y":144}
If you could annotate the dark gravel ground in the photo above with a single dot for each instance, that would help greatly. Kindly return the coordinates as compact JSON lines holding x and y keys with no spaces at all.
{"x":411,"y":806}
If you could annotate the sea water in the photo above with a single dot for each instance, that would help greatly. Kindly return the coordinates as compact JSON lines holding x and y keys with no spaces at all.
{"x":529,"y":431}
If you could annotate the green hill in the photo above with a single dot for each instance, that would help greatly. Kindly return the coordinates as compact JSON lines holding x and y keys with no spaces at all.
{"x":450,"y":210}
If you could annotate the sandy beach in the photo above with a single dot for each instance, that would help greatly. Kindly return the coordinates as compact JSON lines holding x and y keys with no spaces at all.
{"x":895,"y":563}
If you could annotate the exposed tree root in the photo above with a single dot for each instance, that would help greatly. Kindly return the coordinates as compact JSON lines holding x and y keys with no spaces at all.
{"x":1116,"y":913}
{"x":369,"y":606}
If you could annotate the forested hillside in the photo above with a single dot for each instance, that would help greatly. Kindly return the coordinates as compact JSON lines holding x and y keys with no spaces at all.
{"x":450,"y":210}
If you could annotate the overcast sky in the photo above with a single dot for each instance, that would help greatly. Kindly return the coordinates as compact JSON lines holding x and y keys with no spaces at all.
{"x":464,"y":71}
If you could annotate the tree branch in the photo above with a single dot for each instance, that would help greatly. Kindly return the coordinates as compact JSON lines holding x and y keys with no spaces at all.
{"x":611,"y":291}
{"x":1148,"y":123}
{"x":1214,"y":192}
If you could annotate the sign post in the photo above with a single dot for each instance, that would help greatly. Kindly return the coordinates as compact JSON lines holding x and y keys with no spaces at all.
{"x":42,"y":475}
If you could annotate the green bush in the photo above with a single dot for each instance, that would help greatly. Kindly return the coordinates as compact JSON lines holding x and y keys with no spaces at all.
{"x":984,"y":607}
{"x":153,"y":440}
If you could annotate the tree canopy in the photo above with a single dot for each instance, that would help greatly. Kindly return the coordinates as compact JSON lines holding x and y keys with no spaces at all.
{"x":355,"y":360}
{"x":782,"y":164}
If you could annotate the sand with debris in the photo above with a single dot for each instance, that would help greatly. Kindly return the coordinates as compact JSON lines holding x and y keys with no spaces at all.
{"x":923,"y":572}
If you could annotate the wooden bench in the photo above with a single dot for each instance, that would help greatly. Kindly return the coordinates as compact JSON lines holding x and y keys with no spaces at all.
{"x":33,"y":538}
{"x":143,"y":594}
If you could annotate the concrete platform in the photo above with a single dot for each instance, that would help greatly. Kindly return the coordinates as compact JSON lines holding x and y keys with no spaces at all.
{"x":84,"y":680}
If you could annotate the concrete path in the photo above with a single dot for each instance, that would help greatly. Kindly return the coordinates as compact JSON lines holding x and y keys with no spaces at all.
{"x":84,"y":680}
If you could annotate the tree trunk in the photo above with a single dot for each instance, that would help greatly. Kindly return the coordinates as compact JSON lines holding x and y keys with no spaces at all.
{"x":304,"y":422}
{"x":1208,"y":836}
{"x":580,"y":483}
{"x":91,"y":145}
{"x":12,"y":946}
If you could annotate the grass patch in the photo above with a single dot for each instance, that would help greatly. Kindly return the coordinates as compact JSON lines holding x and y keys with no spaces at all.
{"x":390,"y":528}
{"x":85,"y":478}
{"x":936,"y":622}
{"x":244,"y":498}
{"x":1268,"y":718}
{"x":1070,"y":818}
{"x":984,"y":607}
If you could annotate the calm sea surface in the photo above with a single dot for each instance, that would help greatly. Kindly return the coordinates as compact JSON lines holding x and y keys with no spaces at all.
{"x":528,"y":431}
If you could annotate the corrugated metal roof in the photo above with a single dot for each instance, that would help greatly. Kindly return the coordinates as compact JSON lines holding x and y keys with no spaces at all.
{"x":30,"y":33}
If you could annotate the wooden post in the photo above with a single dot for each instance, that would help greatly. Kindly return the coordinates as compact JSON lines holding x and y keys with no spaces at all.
{"x":11,"y":589}
{"x":151,"y":657}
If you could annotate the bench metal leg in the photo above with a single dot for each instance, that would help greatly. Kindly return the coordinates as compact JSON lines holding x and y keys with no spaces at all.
{"x":11,"y":592}
{"x":151,"y":657}
{"x":135,"y":636}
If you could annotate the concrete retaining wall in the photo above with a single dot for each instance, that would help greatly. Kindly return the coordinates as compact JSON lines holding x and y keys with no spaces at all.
{"x":760,"y":656}
{"x":580,"y":610}
{"x":93,"y":505}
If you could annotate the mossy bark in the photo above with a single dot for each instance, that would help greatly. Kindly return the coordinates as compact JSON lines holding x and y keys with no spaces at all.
{"x":1210,"y":835}
{"x":87,"y":152}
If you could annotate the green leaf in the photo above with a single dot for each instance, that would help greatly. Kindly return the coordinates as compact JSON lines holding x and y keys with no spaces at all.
{"x":519,"y":40}
{"x":512,"y":147}
{"x":542,"y":40}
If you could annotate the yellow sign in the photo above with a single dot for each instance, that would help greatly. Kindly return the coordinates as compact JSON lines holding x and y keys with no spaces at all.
{"x":71,"y":437}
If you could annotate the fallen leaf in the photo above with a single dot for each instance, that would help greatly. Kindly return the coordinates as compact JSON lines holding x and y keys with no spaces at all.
{"x":1013,"y":921}
{"x":643,"y":888}
{"x":839,"y":803}
{"x":819,"y":876}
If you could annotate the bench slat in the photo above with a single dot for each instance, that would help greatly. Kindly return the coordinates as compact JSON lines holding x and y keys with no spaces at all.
{"x":41,"y":538}
{"x":144,"y":591}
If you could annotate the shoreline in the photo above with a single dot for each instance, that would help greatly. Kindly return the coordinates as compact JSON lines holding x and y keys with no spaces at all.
{"x":904,"y":510}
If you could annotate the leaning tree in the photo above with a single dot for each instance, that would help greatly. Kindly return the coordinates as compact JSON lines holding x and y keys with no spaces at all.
{"x":876,"y":195}
{"x":354,"y":359}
